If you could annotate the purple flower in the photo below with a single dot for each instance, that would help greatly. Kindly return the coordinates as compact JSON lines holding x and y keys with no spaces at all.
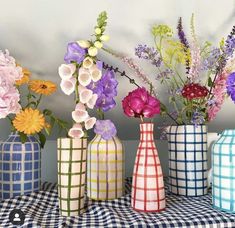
{"x":74,"y":53}
{"x":106,"y":89}
{"x":105,"y":128}
{"x":229,"y":46}
{"x":231,"y":86}
{"x":164,"y":74}
{"x":211,"y":61}
{"x":181,"y":34}
{"x":148,"y":53}
{"x":197,"y":118}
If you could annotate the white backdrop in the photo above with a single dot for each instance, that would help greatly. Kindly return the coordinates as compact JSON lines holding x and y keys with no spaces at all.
{"x":37,"y":31}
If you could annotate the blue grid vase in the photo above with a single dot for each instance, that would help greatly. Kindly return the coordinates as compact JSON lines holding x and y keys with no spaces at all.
{"x":223,"y":172}
{"x":187,"y":145}
{"x":20,"y":166}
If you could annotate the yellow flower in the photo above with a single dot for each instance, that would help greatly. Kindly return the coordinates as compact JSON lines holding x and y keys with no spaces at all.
{"x":25,"y":78}
{"x":42,"y":87}
{"x":29,"y":121}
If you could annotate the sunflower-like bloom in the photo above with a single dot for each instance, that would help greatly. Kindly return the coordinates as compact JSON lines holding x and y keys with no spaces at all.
{"x":29,"y":121}
{"x":42,"y":87}
{"x":25,"y":78}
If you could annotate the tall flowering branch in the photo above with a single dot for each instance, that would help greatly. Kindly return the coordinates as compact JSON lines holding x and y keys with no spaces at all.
{"x":185,"y":43}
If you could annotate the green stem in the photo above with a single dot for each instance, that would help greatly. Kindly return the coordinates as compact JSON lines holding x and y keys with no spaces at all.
{"x":38,"y":101}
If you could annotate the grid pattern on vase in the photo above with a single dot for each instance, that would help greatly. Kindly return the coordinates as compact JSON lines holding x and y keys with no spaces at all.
{"x":20,"y":167}
{"x":105,"y":168}
{"x":148,"y":193}
{"x":223,"y":172}
{"x":71,"y":175}
{"x":187,"y":145}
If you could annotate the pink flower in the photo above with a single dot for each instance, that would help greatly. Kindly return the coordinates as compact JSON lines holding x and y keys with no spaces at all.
{"x":76,"y":131}
{"x":140,"y":103}
{"x":9,"y":100}
{"x":218,"y":96}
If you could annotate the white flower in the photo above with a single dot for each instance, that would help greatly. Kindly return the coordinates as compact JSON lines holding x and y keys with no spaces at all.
{"x":98,"y":31}
{"x":85,"y":95}
{"x":79,"y":116}
{"x":84,"y":43}
{"x":90,"y":122}
{"x":84,"y":77}
{"x":76,"y":131}
{"x":104,"y":38}
{"x":80,"y":107}
{"x":66,"y":71}
{"x":91,"y":103}
{"x":92,"y":51}
{"x":96,"y":73}
{"x":98,"y":44}
{"x":68,"y":86}
{"x":87,"y":63}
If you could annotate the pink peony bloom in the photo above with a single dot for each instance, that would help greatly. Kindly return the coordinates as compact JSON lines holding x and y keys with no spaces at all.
{"x":140,"y":103}
{"x":218,"y":96}
{"x":9,"y":100}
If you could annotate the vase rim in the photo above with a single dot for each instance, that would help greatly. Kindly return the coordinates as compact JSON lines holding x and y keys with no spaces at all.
{"x":146,"y":123}
{"x":228,"y":132}
{"x":187,"y":125}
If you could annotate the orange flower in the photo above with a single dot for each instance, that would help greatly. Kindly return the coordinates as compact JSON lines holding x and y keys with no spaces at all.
{"x":42,"y":87}
{"x":25,"y":78}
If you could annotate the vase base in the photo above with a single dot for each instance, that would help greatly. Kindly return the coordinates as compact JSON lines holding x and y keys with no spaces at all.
{"x":101,"y":199}
{"x":149,"y":211}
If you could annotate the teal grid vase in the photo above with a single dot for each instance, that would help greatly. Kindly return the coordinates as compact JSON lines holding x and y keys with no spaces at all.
{"x":20,"y":166}
{"x":71,"y":175}
{"x":223,"y":172}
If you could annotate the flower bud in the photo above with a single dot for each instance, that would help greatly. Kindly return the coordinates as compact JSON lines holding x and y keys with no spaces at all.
{"x":92,"y":51}
{"x":98,"y":44}
{"x":98,"y":31}
{"x":84,"y":43}
{"x":104,"y":38}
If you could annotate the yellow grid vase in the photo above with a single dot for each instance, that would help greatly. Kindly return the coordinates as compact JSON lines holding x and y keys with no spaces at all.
{"x":105,"y":168}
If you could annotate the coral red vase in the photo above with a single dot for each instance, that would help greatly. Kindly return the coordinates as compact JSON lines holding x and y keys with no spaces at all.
{"x":148,"y":193}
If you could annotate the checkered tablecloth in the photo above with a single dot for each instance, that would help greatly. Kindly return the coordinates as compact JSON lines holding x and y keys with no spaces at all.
{"x":42,"y":210}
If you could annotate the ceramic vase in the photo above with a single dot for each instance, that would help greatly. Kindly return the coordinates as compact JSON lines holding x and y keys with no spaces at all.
{"x":148,"y":193}
{"x":223,"y":172}
{"x":71,"y":157}
{"x":105,"y":168}
{"x":20,"y":166}
{"x":187,"y":145}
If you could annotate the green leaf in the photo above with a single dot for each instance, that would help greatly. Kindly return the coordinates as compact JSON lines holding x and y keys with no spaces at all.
{"x":210,"y":82}
{"x":52,"y":121}
{"x":47,"y":112}
{"x":23,"y":137}
{"x":42,"y":139}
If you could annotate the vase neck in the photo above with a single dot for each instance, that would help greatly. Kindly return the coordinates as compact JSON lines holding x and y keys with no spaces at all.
{"x":146,"y":132}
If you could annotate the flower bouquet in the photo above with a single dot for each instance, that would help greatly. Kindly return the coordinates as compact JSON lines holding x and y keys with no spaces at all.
{"x":94,"y":89}
{"x":197,"y":78}
{"x":21,"y":151}
{"x":148,"y":194}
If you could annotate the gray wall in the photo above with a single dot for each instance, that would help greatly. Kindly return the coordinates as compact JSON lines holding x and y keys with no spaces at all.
{"x":36,"y":33}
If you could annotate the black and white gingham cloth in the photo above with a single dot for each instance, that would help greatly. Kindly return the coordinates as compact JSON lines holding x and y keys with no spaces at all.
{"x":42,"y":210}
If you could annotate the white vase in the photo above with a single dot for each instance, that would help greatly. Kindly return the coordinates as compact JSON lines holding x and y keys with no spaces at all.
{"x":71,"y":175}
{"x":105,"y":168}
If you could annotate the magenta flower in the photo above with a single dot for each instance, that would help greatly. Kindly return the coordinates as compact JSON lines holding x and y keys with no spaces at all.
{"x":140,"y":103}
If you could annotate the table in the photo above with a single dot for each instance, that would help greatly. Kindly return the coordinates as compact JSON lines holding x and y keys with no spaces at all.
{"x":42,"y":210}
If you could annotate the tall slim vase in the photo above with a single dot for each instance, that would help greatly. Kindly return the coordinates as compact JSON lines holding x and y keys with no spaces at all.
{"x":20,"y":166}
{"x":71,"y":155}
{"x":148,"y":193}
{"x":223,"y":172}
{"x":105,"y":168}
{"x":187,"y":145}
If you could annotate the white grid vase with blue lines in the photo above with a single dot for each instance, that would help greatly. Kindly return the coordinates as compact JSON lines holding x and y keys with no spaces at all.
{"x":223,"y":172}
{"x":20,"y":166}
{"x":187,"y":145}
